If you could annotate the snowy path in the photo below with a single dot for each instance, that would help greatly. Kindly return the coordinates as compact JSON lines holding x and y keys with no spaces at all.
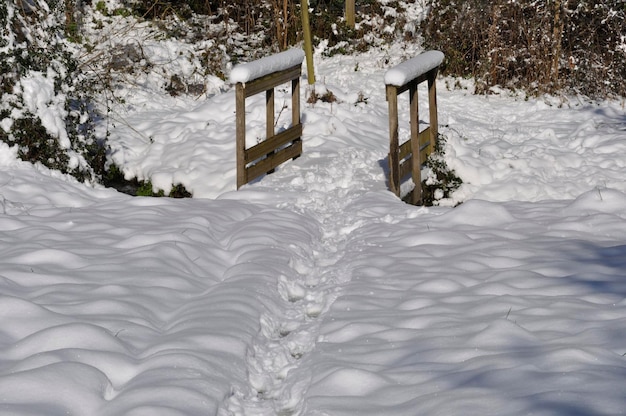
{"x":314,"y":292}
{"x":277,"y":381}
{"x":485,"y":309}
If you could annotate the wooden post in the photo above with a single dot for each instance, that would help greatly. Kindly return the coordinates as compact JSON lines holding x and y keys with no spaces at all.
{"x":416,"y":160}
{"x":308,"y":44}
{"x":240,"y":106}
{"x":295,"y":101}
{"x":269,"y":113}
{"x":349,"y":14}
{"x":394,"y":148}
{"x":432,"y":110}
{"x":269,"y":117}
{"x":295,"y":108}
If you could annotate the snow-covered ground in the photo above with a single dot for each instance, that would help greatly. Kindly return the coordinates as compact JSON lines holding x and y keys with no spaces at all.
{"x":315,"y":291}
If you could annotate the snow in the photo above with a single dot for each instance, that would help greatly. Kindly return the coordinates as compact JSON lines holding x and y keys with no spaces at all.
{"x":39,"y":99}
{"x":315,"y":291}
{"x":408,"y":70}
{"x":274,"y":63}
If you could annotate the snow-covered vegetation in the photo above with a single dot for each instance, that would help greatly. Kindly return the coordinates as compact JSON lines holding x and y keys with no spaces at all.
{"x":46,"y":112}
{"x":314,"y":290}
{"x":548,"y":46}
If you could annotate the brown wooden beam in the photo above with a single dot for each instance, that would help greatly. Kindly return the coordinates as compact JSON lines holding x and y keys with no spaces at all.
{"x":240,"y":105}
{"x":394,"y":178}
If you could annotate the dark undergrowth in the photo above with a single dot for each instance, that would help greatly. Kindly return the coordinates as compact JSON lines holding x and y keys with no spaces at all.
{"x":558,"y":46}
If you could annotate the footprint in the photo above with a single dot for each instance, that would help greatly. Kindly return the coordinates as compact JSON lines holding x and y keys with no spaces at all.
{"x":290,"y":289}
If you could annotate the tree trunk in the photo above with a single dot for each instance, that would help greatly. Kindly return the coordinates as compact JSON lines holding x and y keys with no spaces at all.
{"x":557,"y":35}
{"x":350,"y":20}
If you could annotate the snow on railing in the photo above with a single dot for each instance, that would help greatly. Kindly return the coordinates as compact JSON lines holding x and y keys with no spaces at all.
{"x":408,"y":158}
{"x":255,"y":77}
{"x":275,"y":63}
{"x":402,"y":73}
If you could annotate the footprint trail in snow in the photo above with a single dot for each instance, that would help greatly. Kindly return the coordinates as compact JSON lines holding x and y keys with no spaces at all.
{"x":278,"y":379}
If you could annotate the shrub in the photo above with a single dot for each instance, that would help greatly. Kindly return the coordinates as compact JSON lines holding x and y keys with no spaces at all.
{"x":45,"y":109}
{"x":440,"y":181}
{"x":541,"y":47}
{"x":114,"y":178}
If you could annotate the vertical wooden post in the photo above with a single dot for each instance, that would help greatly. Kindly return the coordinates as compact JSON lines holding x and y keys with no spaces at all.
{"x":295,"y":106}
{"x":269,"y":117}
{"x":308,"y":44}
{"x":416,"y":165}
{"x":295,"y":101}
{"x":394,"y":163}
{"x":432,"y":110}
{"x":269,"y":113}
{"x":349,"y":14}
{"x":240,"y":106}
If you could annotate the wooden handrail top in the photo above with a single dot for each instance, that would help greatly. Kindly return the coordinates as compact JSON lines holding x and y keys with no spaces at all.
{"x":405,"y":72}
{"x":271,"y":80}
{"x":251,"y":71}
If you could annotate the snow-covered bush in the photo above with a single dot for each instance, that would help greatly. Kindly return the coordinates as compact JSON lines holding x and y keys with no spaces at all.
{"x":536,"y":46}
{"x":45,"y":109}
{"x":440,"y":181}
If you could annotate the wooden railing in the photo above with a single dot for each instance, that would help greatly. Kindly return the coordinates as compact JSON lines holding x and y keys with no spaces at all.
{"x":407,"y":158}
{"x":276,"y":149}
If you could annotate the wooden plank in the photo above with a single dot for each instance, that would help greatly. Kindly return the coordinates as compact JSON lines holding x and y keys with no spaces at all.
{"x":270,"y":163}
{"x":406,"y":168}
{"x":425,"y":145}
{"x":424,"y":141}
{"x":392,"y":100}
{"x":405,"y":150}
{"x":273,"y":143}
{"x":272,"y":80}
{"x":424,"y":138}
{"x":240,"y":105}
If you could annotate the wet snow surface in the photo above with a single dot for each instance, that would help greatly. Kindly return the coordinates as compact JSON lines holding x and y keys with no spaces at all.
{"x":315,"y":291}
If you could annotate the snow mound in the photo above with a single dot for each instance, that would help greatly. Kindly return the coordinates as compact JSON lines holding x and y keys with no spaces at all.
{"x":599,"y":200}
{"x":479,"y":213}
